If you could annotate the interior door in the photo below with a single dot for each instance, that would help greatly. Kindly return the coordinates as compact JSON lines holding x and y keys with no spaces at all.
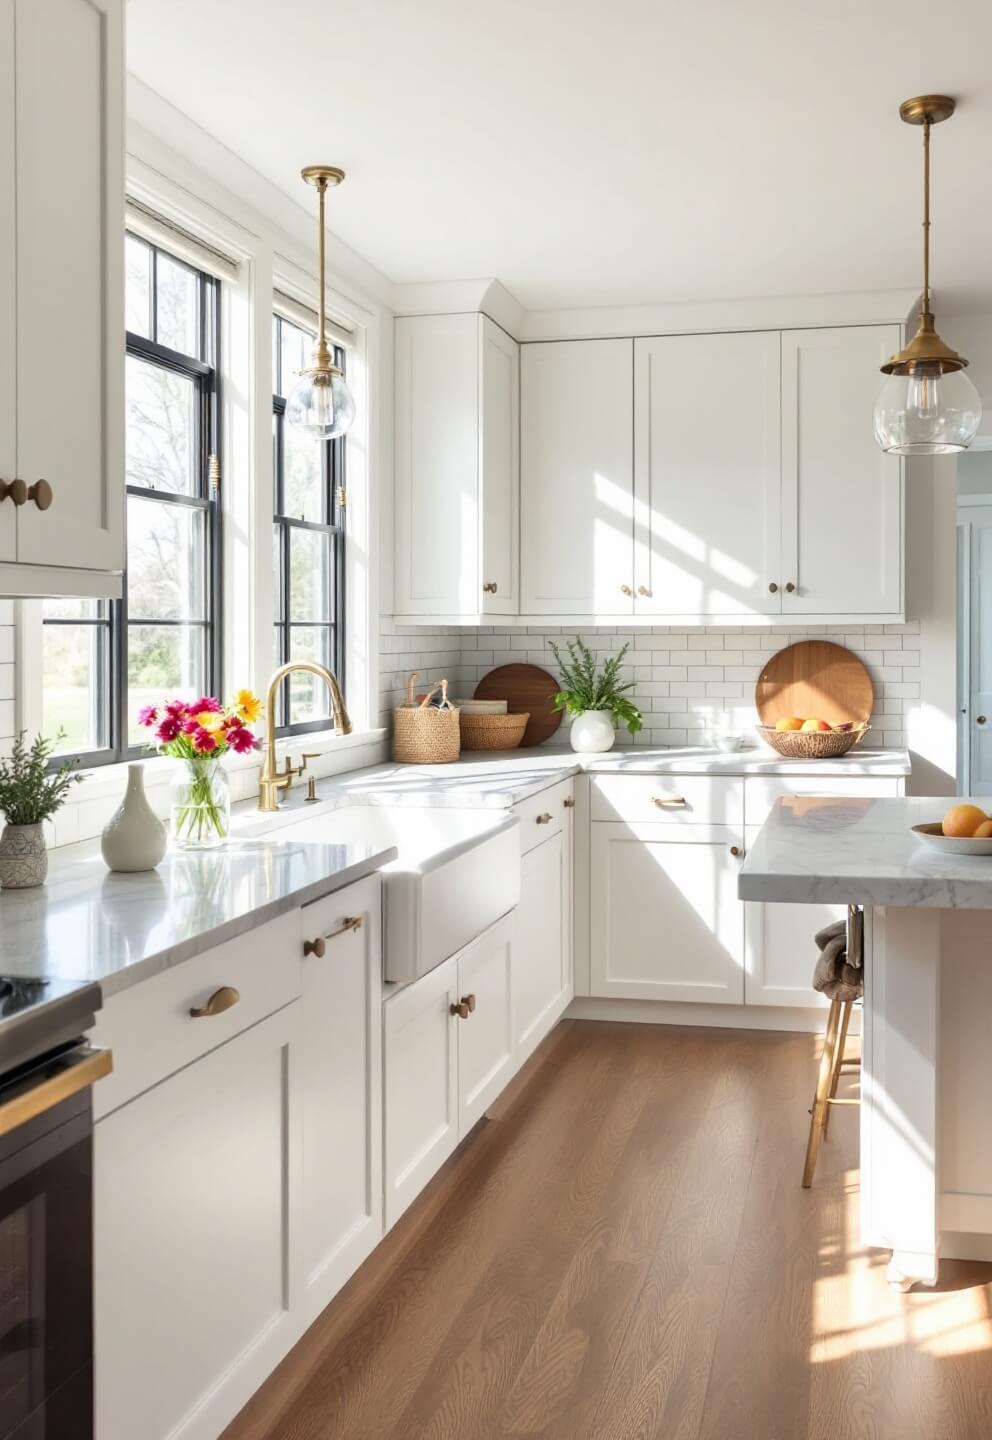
{"x":978,"y":703}
{"x":499,"y":449}
{"x":842,"y":515}
{"x":707,"y":474}
{"x":577,"y":478}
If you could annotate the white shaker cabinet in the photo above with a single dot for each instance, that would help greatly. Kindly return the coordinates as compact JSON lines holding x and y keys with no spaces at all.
{"x":485,"y":1033}
{"x":61,"y":268}
{"x":341,"y":1087}
{"x":842,"y":497}
{"x":196,"y":1188}
{"x":707,"y":474}
{"x":577,"y":478}
{"x":456,"y":464}
{"x":542,"y":954}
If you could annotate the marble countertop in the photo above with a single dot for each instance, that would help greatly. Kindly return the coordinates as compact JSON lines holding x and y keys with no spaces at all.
{"x":89,"y":924}
{"x":860,"y":852}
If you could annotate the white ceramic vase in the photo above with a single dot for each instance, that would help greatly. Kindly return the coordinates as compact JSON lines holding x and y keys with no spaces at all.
{"x":135,"y":838}
{"x":23,"y":857}
{"x":592,"y":732}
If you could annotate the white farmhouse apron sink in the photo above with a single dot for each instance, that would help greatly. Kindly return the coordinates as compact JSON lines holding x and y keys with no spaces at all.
{"x":456,"y":873}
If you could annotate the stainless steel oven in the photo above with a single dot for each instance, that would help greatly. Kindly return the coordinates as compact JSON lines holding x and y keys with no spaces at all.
{"x":46,"y":1211}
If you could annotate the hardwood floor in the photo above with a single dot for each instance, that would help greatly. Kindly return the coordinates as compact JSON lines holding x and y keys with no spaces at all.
{"x":624,"y":1252}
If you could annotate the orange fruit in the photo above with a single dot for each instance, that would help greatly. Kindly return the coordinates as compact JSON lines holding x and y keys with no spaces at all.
{"x":789,"y":722}
{"x":984,"y":831}
{"x":813,"y":724}
{"x":962,"y":821}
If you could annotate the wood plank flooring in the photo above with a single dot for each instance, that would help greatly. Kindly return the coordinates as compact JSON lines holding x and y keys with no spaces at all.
{"x":624,"y":1252}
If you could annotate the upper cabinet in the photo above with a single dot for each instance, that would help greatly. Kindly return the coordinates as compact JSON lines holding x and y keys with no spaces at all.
{"x":457,"y":462}
{"x":577,"y":478}
{"x":61,"y":275}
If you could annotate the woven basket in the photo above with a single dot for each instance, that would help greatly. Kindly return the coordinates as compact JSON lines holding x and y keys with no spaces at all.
{"x":426,"y":734}
{"x":812,"y":744}
{"x":492,"y":732}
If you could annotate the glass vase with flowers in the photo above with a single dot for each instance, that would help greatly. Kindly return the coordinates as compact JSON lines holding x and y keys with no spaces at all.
{"x":198,"y":733}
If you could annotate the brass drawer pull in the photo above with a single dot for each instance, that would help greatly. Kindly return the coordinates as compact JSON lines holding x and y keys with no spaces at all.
{"x":219,"y":1001}
{"x":674,"y":802}
{"x":544,"y":819}
{"x":318,"y":947}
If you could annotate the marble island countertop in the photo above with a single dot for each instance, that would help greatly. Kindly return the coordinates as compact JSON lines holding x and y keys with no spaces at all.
{"x":860,"y":852}
{"x":89,"y":924}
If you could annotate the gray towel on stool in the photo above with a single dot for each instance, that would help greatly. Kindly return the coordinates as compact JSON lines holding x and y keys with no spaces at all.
{"x":835,"y":975}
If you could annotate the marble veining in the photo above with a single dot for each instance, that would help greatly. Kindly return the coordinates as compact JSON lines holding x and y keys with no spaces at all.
{"x":858,"y":851}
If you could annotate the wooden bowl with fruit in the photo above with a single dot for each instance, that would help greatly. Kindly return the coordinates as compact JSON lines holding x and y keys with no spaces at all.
{"x":965,"y":830}
{"x":814,"y":701}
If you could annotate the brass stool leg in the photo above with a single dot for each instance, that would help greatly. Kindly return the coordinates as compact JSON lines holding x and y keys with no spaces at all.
{"x":847,"y":1007}
{"x":823,"y":1079}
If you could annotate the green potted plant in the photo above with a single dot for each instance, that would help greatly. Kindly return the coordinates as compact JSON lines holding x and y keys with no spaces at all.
{"x":595,"y":698}
{"x":30,"y":793}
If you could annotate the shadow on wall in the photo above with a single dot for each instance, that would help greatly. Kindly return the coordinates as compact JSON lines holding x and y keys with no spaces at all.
{"x":931,"y":597}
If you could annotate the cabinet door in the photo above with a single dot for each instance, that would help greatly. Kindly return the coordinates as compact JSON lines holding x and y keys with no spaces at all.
{"x":781,"y":952}
{"x":437,"y":465}
{"x":70,"y":279}
{"x":499,"y":449}
{"x":196,"y":1193}
{"x":485,"y":1038}
{"x":421,"y":1084}
{"x":576,"y":477}
{"x":666,"y":921}
{"x":842,"y":511}
{"x":542,"y":981}
{"x":8,"y":283}
{"x":342,"y":1089}
{"x":707,"y":414}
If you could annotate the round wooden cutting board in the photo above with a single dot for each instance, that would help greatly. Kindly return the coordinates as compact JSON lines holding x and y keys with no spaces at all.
{"x":526,"y":689}
{"x":814,"y":679}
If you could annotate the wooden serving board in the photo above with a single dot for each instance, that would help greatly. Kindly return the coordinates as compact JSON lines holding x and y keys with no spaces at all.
{"x":525,"y":688}
{"x":815,"y":678}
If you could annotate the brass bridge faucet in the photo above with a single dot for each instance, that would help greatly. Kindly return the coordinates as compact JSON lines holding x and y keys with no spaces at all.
{"x":271,"y":782}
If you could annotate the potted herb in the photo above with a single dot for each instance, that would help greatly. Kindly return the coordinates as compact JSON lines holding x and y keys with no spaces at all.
{"x":596,"y":699}
{"x":30,"y":793}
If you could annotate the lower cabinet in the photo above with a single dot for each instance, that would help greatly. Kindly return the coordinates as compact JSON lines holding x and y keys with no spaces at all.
{"x":780,"y":952}
{"x":542,"y":953}
{"x":448,"y":1053}
{"x":666,"y":923}
{"x":196,"y":1195}
{"x":341,"y":1087}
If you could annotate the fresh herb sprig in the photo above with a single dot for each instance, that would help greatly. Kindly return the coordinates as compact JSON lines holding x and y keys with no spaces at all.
{"x":584,"y":687}
{"x":29,"y":791}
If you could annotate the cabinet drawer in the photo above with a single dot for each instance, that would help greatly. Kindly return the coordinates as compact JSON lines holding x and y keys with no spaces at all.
{"x":676,"y":799}
{"x":149,"y":1026}
{"x":543,"y":815}
{"x":761,"y":791}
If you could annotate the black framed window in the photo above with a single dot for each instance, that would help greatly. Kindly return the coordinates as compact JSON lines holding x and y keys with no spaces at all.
{"x":102,"y":661}
{"x":308,"y":543}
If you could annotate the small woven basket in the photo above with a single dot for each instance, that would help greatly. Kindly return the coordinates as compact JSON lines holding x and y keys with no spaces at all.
{"x":426,"y":734}
{"x":492,"y":732}
{"x":812,"y":744}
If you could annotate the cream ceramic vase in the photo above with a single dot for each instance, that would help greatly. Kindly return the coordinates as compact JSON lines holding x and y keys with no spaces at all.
{"x":23,"y":857}
{"x":592,"y":732}
{"x":135,"y":838}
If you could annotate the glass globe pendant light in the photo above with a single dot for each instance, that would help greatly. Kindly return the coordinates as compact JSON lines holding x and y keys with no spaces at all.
{"x":927,"y":405}
{"x":320,"y":402}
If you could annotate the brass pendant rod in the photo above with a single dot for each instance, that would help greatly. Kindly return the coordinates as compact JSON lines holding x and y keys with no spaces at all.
{"x":926,"y":217}
{"x":321,"y":322}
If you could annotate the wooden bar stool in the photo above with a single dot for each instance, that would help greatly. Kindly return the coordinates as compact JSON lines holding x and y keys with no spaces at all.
{"x":843,"y":997}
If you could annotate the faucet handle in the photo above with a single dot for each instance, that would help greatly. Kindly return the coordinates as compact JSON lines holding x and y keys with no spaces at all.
{"x":307,"y":755}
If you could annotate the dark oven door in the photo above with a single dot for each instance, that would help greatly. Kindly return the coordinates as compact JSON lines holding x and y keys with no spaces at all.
{"x":46,"y":1274}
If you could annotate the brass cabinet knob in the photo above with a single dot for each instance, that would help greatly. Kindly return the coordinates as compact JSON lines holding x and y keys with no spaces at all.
{"x":790,"y":587}
{"x":626,"y":590}
{"x":670,"y":802}
{"x":735,"y":850}
{"x":315,"y":947}
{"x":643,"y":590}
{"x":318,"y":947}
{"x":460,"y":1009}
{"x":490,"y":587}
{"x":773,"y":588}
{"x":15,"y":490}
{"x":41,"y":493}
{"x":544,"y":819}
{"x":569,"y":802}
{"x":980,"y":719}
{"x":469,"y":1002}
{"x":219,"y":1001}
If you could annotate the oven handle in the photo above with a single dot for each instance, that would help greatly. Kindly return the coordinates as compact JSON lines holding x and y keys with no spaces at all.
{"x":85,"y":1066}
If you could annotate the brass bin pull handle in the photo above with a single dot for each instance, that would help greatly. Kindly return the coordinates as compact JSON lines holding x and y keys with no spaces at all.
{"x":219,"y":1001}
{"x":544,"y":819}
{"x":84,"y":1068}
{"x":673,"y":802}
{"x":318,"y":947}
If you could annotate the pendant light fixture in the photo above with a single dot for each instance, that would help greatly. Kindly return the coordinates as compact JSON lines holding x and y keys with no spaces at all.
{"x":320,"y":402}
{"x":927,"y":406}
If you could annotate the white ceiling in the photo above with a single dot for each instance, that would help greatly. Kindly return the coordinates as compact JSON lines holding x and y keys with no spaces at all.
{"x":591,"y":153}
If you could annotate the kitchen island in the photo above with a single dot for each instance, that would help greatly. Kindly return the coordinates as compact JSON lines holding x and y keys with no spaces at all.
{"x":926,"y":1080}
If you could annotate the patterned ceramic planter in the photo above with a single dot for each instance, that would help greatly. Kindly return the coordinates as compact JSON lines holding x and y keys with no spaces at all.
{"x":23,"y":857}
